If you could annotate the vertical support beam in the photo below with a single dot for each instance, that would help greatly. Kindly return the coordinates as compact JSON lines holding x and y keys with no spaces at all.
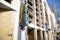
{"x":35,"y":34}
{"x":41,"y":35}
{"x":35,"y":30}
{"x":16,"y":5}
{"x":39,"y":11}
{"x":34,"y":11}
{"x":46,"y":35}
{"x":44,"y":20}
{"x":43,"y":9}
{"x":19,"y":33}
{"x":50,"y":35}
{"x":24,"y":34}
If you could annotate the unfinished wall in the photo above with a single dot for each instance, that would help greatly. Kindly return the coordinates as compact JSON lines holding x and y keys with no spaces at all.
{"x":6,"y":24}
{"x":50,"y":35}
{"x":30,"y":34}
{"x":38,"y":35}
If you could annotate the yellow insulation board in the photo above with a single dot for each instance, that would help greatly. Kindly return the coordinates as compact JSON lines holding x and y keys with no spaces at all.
{"x":6,"y":24}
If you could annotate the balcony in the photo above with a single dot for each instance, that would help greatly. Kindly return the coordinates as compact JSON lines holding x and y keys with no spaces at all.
{"x":38,"y":25}
{"x":36,"y":1}
{"x":37,"y":20}
{"x":37,"y":9}
{"x":30,"y":8}
{"x":30,"y":3}
{"x":40,"y":1}
{"x":30,"y":16}
{"x":9,"y":1}
{"x":37,"y":14}
{"x":6,"y":4}
{"x":36,"y":4}
{"x":30,"y":12}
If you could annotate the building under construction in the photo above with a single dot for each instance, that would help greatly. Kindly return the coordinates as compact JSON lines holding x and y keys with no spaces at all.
{"x":39,"y":25}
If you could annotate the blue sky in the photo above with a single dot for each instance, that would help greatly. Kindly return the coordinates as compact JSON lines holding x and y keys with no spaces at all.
{"x":56,"y":3}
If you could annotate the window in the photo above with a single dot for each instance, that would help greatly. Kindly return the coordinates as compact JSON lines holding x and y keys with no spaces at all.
{"x":41,"y":17}
{"x":30,"y":0}
{"x":42,"y":22}
{"x":37,"y":14}
{"x":36,"y":0}
{"x":41,"y":13}
{"x":30,"y":3}
{"x":37,"y":20}
{"x":36,"y":9}
{"x":36,"y":4}
{"x":9,"y":1}
{"x":29,"y":21}
{"x":40,"y":1}
{"x":30,"y":16}
{"x":38,"y":25}
{"x":29,"y":8}
{"x":40,"y":9}
{"x":40,"y":5}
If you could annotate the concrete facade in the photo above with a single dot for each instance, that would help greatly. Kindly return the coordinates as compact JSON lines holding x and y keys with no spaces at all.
{"x":39,"y":15}
{"x":53,"y":9}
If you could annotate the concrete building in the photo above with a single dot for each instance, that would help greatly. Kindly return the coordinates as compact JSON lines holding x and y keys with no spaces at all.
{"x":58,"y":28}
{"x":53,"y":9}
{"x":39,"y":25}
{"x":53,"y":25}
{"x":39,"y":21}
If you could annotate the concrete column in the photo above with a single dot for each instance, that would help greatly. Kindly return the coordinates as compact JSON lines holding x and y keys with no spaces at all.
{"x":50,"y":35}
{"x":41,"y":35}
{"x":35,"y":30}
{"x":35,"y":34}
{"x":24,"y":35}
{"x":43,"y":9}
{"x":46,"y":35}
{"x":34,"y":11}
{"x":16,"y":5}
{"x":19,"y":33}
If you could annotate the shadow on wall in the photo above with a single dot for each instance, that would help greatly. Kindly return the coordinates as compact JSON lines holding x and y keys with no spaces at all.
{"x":4,"y":10}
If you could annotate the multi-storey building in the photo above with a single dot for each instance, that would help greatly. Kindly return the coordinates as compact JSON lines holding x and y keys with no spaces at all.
{"x":39,"y":21}
{"x":53,"y":9}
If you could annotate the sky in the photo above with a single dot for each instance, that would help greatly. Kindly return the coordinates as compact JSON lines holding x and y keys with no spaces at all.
{"x":57,"y":4}
{"x":54,"y":2}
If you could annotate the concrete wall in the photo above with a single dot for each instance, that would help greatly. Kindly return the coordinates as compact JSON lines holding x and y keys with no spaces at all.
{"x":6,"y":24}
{"x":50,"y":35}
